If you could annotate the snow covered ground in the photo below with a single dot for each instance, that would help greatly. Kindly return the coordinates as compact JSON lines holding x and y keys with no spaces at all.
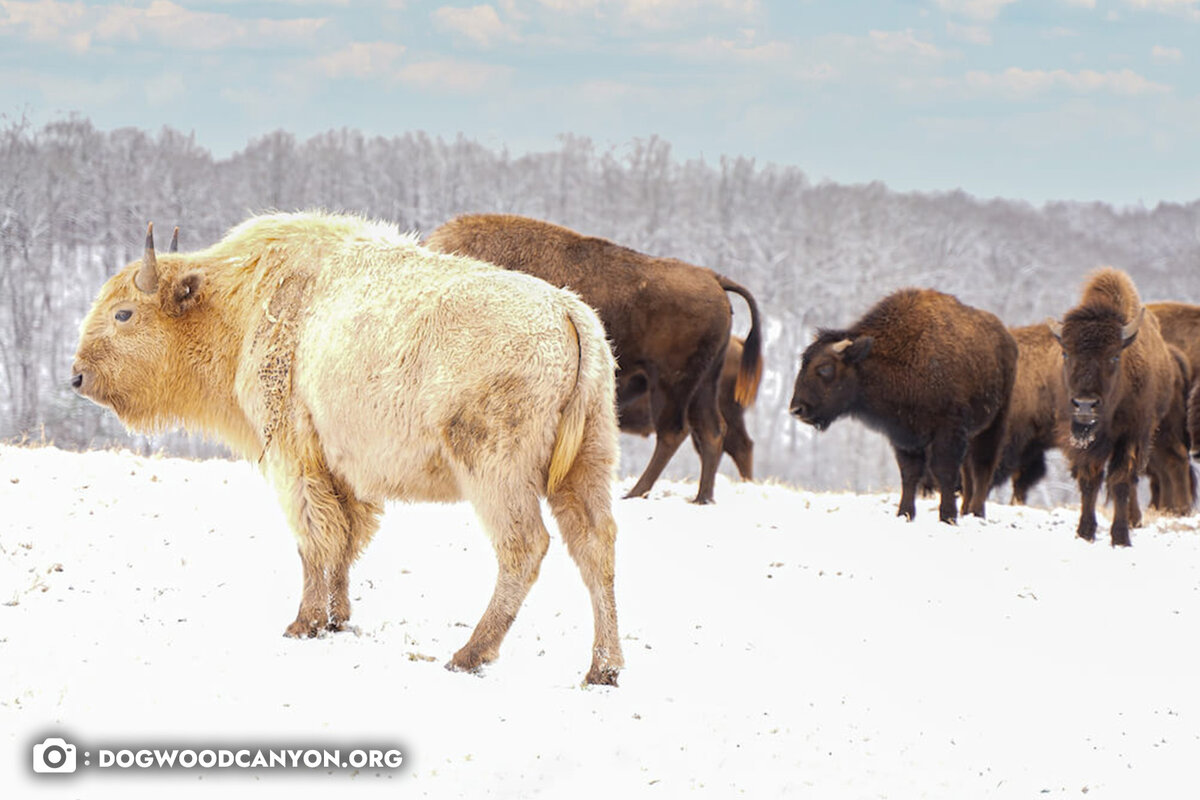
{"x":778,"y":643}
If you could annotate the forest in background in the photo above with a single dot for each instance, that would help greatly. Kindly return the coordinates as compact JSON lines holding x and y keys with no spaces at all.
{"x":74,"y":203}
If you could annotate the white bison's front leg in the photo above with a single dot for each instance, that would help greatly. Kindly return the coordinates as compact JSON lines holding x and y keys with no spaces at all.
{"x":331,"y":527}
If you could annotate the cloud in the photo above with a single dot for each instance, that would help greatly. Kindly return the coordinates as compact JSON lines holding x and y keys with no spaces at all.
{"x":1166,"y":55}
{"x":1081,"y":3}
{"x":1189,"y":8}
{"x":743,"y":50}
{"x":903,"y":43}
{"x":656,"y":14}
{"x":450,"y":75}
{"x":973,"y":34}
{"x":1018,"y":82}
{"x":362,"y":60}
{"x":975,"y":9}
{"x":78,"y":27}
{"x":480,"y":24}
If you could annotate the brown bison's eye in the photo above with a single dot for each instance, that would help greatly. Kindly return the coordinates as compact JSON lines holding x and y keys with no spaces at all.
{"x":123,"y":315}
{"x":1116,"y":359}
{"x":825,"y":371}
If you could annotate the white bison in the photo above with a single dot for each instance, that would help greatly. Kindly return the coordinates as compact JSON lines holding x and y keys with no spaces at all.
{"x":358,"y":367}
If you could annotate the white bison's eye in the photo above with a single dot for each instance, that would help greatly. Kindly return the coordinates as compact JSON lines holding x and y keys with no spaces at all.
{"x":123,"y":315}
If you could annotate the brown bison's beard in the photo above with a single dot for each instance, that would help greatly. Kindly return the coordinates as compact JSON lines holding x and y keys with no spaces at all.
{"x":1083,"y":434}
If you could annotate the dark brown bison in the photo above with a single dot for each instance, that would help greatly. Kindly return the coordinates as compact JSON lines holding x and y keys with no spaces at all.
{"x":1118,"y":377}
{"x":636,"y":415}
{"x":355,"y":366}
{"x":1172,"y":479}
{"x":1180,"y":325}
{"x":933,"y":375}
{"x":1033,"y":414}
{"x":665,"y":318}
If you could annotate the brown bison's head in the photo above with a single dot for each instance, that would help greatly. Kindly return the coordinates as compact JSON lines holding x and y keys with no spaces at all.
{"x":827,"y":384}
{"x":1093,"y":340}
{"x":130,"y":337}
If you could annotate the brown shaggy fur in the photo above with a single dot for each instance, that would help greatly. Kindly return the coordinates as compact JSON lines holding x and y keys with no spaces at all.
{"x":1119,"y":379}
{"x":1172,"y":479}
{"x":1033,"y":414}
{"x":356,"y":367}
{"x":636,"y":416}
{"x":1180,"y":324}
{"x":933,"y":375}
{"x":665,"y":318}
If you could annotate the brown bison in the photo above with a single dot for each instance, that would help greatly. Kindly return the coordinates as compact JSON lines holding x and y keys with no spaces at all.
{"x":635,"y":414}
{"x":1172,"y":479}
{"x":933,"y":375}
{"x":665,"y":318}
{"x":1180,"y":325}
{"x":358,"y":367}
{"x":1033,"y":414}
{"x":1118,"y":377}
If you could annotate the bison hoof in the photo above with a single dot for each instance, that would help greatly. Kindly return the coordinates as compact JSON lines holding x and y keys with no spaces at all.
{"x":907,"y":513}
{"x":453,"y":666}
{"x":704,"y":501}
{"x":469,"y":659}
{"x":1120,"y":536}
{"x":1088,"y":534}
{"x":632,"y":494}
{"x":301,"y":629}
{"x":606,"y":676}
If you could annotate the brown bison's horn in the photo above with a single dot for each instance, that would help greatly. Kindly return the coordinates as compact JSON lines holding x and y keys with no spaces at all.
{"x":838,"y":347}
{"x":147,"y":277}
{"x":1055,"y":328}
{"x":1130,"y":329}
{"x":174,"y":248}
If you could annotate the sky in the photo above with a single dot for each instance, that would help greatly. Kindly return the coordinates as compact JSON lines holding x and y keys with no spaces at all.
{"x":1037,"y":100}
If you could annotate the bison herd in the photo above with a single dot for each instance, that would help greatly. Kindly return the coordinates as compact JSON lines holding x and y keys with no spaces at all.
{"x":495,"y":362}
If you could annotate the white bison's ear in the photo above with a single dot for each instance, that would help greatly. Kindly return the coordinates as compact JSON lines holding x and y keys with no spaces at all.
{"x":185,"y":294}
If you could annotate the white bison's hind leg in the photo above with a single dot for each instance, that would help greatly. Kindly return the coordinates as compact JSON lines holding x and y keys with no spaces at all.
{"x":512,"y":517}
{"x":582,"y":506}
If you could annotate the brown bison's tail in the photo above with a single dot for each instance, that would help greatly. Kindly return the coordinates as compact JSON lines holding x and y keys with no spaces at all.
{"x":570,"y":425}
{"x":750,"y":370}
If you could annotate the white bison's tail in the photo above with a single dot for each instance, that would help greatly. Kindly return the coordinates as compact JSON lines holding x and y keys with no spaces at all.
{"x":572,"y":424}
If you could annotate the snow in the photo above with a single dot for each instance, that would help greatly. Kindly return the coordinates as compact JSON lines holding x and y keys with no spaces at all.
{"x":779,"y":642}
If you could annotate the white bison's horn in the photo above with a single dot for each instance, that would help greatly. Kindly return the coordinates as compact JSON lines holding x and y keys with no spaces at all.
{"x":147,"y":277}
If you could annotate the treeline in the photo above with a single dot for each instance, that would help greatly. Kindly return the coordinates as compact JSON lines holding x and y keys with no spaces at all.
{"x":74,"y":202}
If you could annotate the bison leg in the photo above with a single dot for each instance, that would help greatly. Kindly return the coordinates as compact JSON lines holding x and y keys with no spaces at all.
{"x":329,"y":537}
{"x":670,"y":430}
{"x":983,"y":454}
{"x":582,"y":507}
{"x":1119,"y":533}
{"x":1134,"y":513}
{"x":314,"y":602}
{"x":363,"y":519}
{"x":1088,"y":476}
{"x":708,"y":431}
{"x":912,"y":468}
{"x":946,"y":461}
{"x":513,"y":519}
{"x":1032,"y":470}
{"x":1193,"y":419}
{"x":740,"y":448}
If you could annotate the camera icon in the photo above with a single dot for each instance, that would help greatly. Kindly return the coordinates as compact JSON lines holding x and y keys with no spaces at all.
{"x":54,"y":755}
